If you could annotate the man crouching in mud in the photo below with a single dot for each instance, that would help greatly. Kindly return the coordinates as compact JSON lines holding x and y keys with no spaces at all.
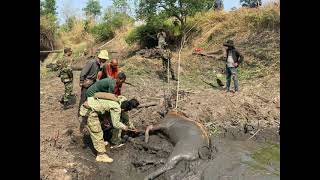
{"x":94,"y":107}
{"x":188,"y":137}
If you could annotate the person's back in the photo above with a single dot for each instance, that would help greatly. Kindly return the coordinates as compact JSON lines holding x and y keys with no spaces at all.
{"x":104,"y":85}
{"x":90,"y":70}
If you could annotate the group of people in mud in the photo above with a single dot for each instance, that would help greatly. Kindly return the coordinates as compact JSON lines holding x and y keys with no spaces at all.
{"x":102,"y":108}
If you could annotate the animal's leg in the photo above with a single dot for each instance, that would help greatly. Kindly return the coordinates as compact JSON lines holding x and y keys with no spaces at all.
{"x":169,"y":165}
{"x":151,"y":128}
{"x":180,"y":152}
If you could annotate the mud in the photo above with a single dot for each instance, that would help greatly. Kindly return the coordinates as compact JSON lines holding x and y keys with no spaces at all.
{"x":230,"y":159}
{"x":253,"y":113}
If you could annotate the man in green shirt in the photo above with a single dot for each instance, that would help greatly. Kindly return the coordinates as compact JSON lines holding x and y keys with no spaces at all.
{"x":108,"y":85}
{"x":94,"y":107}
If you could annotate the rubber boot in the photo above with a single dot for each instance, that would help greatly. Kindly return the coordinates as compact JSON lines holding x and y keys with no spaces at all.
{"x":103,"y":157}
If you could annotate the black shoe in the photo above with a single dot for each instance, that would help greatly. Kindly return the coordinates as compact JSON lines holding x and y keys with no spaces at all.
{"x":174,"y":78}
{"x":66,"y":105}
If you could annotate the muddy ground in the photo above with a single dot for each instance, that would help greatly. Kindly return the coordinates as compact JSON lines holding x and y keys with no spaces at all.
{"x":252,"y":115}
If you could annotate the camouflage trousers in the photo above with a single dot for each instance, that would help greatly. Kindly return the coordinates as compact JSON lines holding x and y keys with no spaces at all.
{"x":68,"y":88}
{"x":165,"y":63}
{"x":96,"y":132}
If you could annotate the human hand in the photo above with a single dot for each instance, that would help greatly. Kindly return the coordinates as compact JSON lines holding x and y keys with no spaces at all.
{"x":125,"y":128}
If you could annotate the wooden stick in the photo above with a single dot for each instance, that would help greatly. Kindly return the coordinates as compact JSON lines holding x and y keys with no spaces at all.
{"x":106,"y":43}
{"x":254,"y":134}
{"x":52,"y":51}
{"x":148,"y":104}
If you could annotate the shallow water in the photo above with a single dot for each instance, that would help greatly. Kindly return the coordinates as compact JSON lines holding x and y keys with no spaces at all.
{"x":244,"y":160}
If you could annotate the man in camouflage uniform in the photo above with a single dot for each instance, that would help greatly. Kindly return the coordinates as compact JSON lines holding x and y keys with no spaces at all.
{"x":166,"y":61}
{"x":161,"y":39}
{"x":66,"y":76}
{"x":118,"y":109}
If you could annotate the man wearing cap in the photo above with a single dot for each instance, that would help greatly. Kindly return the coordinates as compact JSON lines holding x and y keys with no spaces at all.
{"x":66,"y":76}
{"x":109,"y":70}
{"x":97,"y":106}
{"x":89,"y":73}
{"x":233,"y":59}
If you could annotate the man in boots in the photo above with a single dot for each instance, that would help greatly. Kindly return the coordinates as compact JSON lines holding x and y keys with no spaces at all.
{"x":66,"y":76}
{"x":233,"y":59}
{"x":95,"y":107}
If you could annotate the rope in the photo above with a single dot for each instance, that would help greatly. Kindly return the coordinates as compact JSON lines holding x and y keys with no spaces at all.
{"x":179,"y":57}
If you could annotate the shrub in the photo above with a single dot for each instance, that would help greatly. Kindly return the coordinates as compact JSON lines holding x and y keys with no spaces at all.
{"x":48,"y":29}
{"x":102,"y":32}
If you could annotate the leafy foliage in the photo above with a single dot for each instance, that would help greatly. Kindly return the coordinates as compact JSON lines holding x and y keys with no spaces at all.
{"x":48,"y":7}
{"x":251,"y":3}
{"x":93,"y":8}
{"x":178,"y":9}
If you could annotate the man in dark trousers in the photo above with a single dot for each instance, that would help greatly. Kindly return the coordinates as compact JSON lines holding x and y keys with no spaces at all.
{"x":89,"y":74}
{"x":233,"y":59}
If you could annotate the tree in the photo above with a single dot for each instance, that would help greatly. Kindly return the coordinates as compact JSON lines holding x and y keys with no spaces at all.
{"x":93,"y":8}
{"x":48,"y":7}
{"x":41,"y":8}
{"x":179,"y":9}
{"x":250,"y":3}
{"x":121,"y":6}
{"x":218,"y":5}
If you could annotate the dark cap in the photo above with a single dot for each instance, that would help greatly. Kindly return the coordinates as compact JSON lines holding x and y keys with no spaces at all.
{"x":229,"y":43}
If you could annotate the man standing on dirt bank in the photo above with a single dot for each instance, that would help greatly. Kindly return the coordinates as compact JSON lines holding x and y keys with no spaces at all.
{"x":166,"y":61}
{"x":66,"y":76}
{"x":233,"y":59}
{"x":89,"y":74}
{"x":94,"y":107}
{"x":161,"y":39}
{"x":109,"y":70}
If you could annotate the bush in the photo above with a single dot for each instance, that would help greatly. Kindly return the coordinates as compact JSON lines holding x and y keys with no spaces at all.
{"x":102,"y":32}
{"x":146,"y":35}
{"x":120,"y":19}
{"x":265,"y":19}
{"x":48,"y":28}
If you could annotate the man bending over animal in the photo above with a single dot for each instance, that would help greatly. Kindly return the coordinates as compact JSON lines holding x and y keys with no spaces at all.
{"x":94,"y":107}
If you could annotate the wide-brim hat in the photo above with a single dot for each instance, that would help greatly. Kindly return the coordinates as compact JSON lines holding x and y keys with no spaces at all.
{"x":104,"y":55}
{"x":229,"y":43}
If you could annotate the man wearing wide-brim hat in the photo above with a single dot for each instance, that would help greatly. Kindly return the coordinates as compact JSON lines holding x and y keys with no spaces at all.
{"x":233,"y":59}
{"x":89,"y":73}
